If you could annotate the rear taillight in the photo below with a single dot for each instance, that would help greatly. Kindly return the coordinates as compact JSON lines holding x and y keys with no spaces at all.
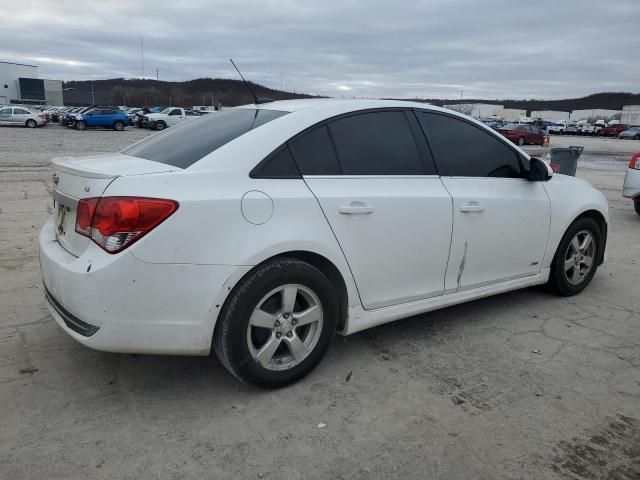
{"x":635,"y":161}
{"x":114,"y":223}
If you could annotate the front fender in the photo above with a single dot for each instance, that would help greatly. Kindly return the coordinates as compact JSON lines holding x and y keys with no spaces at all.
{"x":570,"y":198}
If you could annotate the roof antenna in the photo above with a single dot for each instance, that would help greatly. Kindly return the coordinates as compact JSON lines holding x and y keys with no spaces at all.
{"x":256,"y":100}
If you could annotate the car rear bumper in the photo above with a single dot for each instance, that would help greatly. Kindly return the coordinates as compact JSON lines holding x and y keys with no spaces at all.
{"x":631,"y":186}
{"x":117,"y":303}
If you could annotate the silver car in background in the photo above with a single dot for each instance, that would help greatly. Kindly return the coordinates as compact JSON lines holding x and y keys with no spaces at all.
{"x":21,"y":116}
{"x":633,"y":134}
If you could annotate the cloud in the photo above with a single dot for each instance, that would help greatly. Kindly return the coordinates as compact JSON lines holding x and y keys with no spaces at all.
{"x":436,"y":48}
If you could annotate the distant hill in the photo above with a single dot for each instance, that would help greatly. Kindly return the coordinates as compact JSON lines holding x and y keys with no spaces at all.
{"x":141,"y":92}
{"x":609,"y":101}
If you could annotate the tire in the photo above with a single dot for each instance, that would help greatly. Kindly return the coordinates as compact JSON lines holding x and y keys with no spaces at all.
{"x":636,"y":137}
{"x":559,"y":279}
{"x":81,"y":125}
{"x":118,"y":126}
{"x":238,"y":343}
{"x":521,"y":141}
{"x":159,"y":126}
{"x":31,"y":123}
{"x":636,"y":205}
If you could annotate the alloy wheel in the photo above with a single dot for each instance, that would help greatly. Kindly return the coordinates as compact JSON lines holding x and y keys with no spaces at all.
{"x":579,"y":257}
{"x":285,"y":327}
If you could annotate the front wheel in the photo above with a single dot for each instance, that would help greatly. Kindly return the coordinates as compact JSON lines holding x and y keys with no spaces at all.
{"x":118,"y":126}
{"x":159,"y":126}
{"x":277,"y":324}
{"x":81,"y":125}
{"x":576,"y":259}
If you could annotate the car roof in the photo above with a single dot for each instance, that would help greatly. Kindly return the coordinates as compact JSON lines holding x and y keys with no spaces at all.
{"x":302,"y":114}
{"x":338,"y":104}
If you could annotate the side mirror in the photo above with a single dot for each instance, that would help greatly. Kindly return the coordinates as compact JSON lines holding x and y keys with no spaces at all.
{"x":539,"y":171}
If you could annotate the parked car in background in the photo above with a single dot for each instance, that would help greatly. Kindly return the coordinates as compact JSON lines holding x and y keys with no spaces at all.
{"x":522,"y":134}
{"x":183,"y":243}
{"x":102,"y":118}
{"x":21,"y":116}
{"x":613,"y":130}
{"x":632,"y":133}
{"x":169,"y":117}
{"x":631,"y":186}
{"x":557,"y":127}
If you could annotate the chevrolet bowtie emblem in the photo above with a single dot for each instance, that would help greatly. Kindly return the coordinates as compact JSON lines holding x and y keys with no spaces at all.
{"x":56,"y":179}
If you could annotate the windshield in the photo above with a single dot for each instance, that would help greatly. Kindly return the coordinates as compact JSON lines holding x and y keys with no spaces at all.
{"x":167,"y":110}
{"x":183,"y":145}
{"x":511,"y":126}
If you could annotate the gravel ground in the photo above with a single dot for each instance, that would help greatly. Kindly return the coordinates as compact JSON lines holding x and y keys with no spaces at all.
{"x":523,"y":385}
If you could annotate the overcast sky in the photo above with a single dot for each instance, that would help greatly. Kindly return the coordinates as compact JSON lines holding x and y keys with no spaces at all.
{"x":365,"y":48}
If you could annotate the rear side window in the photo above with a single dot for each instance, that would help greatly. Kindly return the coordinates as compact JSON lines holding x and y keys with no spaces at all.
{"x":376,"y":143}
{"x":314,"y":152}
{"x":465,"y":150}
{"x":183,"y":145}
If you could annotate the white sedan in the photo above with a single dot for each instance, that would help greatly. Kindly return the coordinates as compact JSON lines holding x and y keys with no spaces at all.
{"x":261,"y":231}
{"x":21,"y":116}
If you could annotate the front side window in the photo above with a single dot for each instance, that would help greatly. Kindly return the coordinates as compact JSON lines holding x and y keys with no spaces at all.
{"x":376,"y":143}
{"x":5,"y":112}
{"x":466,"y":150}
{"x":183,"y":145}
{"x":175,"y":111}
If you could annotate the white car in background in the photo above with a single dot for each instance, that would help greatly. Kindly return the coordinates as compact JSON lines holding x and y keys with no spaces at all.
{"x":631,"y":187}
{"x":260,"y":231}
{"x":21,"y":116}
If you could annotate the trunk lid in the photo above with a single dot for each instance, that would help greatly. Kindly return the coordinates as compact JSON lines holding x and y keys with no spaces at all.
{"x":86,"y":177}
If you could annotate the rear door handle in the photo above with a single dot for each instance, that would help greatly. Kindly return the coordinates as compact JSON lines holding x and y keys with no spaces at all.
{"x":472,"y":207}
{"x":356,"y":208}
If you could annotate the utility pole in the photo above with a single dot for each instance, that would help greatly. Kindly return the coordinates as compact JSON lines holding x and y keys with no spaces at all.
{"x":142,"y":56}
{"x":280,"y":80}
{"x":157,"y":77}
{"x":93,"y":96}
{"x":212,"y":100}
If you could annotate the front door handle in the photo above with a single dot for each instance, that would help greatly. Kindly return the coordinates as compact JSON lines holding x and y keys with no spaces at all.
{"x":472,"y":207}
{"x":356,"y":208}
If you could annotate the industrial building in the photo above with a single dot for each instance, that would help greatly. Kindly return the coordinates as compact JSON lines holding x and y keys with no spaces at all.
{"x":476,"y":110}
{"x":597,"y":113}
{"x":550,"y":115}
{"x":20,"y":84}
{"x":630,"y":115}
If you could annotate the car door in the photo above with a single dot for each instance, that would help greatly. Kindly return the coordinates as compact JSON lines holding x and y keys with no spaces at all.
{"x":5,"y":116}
{"x":93,"y":117}
{"x":175,"y":116}
{"x":376,"y":183}
{"x":500,"y":219}
{"x":20,"y":116}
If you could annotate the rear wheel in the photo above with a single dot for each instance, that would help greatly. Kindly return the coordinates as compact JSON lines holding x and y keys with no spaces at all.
{"x":81,"y":125}
{"x":31,"y":123}
{"x":159,"y":125}
{"x":636,"y":205}
{"x":277,"y":324}
{"x":575,"y":262}
{"x":119,"y":126}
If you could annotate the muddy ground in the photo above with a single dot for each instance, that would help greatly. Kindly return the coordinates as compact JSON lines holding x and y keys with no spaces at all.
{"x":523,"y":385}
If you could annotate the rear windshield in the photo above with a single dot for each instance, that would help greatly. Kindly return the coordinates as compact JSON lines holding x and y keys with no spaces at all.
{"x":183,"y":145}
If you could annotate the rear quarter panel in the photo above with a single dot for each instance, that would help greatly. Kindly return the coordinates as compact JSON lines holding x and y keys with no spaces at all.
{"x":209,"y":227}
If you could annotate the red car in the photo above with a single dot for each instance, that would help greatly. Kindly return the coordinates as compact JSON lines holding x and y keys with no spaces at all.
{"x":523,"y":134}
{"x":613,"y":130}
